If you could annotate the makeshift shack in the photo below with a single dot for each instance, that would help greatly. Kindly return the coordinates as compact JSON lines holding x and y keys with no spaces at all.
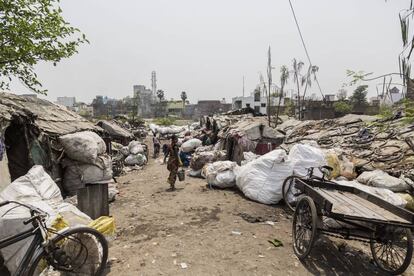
{"x":29,"y":131}
{"x":244,"y":133}
{"x":116,"y":133}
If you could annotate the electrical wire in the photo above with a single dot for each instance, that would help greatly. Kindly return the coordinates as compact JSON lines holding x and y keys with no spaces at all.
{"x":304,"y":46}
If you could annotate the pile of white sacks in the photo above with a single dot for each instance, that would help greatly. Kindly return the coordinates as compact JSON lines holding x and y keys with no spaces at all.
{"x":85,"y":160}
{"x":261,"y":178}
{"x":134,"y":154}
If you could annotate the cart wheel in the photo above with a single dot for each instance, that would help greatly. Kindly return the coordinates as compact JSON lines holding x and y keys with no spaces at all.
{"x":290,"y":193}
{"x":393,"y":249}
{"x":304,"y":227}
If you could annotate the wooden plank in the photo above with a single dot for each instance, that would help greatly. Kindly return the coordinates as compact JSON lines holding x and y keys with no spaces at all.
{"x":353,"y":205}
{"x":93,"y":200}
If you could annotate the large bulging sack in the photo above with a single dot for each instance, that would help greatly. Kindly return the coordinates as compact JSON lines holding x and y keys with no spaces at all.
{"x":303,"y":157}
{"x":83,"y":146}
{"x":135,"y":147}
{"x":381,"y":179}
{"x":200,"y":159}
{"x":135,"y":159}
{"x":262,"y":179}
{"x":191,"y":145}
{"x":78,"y":174}
{"x":220,"y":174}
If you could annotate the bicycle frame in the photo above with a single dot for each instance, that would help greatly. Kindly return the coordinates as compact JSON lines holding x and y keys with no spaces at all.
{"x":34,"y":246}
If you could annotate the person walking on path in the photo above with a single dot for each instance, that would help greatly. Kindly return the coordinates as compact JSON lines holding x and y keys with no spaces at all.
{"x":174,"y":162}
{"x":157,"y":146}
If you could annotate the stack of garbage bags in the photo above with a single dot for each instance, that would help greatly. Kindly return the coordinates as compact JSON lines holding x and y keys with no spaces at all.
{"x":86,"y":160}
{"x":37,"y":189}
{"x":220,"y":174}
{"x":135,"y":154}
{"x":261,"y":178}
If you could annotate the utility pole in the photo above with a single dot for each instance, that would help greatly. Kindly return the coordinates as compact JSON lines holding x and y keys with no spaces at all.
{"x":243,"y":86}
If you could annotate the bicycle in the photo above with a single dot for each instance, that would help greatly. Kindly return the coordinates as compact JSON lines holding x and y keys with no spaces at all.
{"x":73,"y":251}
{"x":291,"y":194}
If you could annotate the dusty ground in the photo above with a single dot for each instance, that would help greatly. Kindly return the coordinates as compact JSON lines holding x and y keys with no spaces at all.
{"x":160,"y":231}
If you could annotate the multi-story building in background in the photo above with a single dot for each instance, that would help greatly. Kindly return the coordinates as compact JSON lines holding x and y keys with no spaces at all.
{"x":145,"y":99}
{"x":69,"y":102}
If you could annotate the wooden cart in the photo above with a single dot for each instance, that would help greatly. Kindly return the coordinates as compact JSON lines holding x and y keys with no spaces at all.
{"x":350,"y":213}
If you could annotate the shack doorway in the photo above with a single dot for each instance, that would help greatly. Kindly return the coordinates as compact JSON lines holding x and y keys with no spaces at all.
{"x":17,"y":150}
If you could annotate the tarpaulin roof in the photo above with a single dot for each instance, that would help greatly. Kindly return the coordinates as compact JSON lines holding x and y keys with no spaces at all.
{"x":49,"y":117}
{"x":115,"y":130}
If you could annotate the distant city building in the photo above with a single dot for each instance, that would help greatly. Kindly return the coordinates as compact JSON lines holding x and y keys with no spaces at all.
{"x":145,"y":99}
{"x":395,"y":95}
{"x":330,"y":97}
{"x":83,"y":109}
{"x":210,"y":107}
{"x":66,"y":101}
{"x":256,"y":101}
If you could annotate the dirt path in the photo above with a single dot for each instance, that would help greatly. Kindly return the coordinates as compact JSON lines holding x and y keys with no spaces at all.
{"x":198,"y":231}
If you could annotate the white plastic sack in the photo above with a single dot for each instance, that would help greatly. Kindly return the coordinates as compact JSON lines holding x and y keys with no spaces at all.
{"x":191,"y":145}
{"x":38,"y":189}
{"x":135,"y":147}
{"x":381,"y":179}
{"x":303,"y":157}
{"x":194,"y":173}
{"x":83,"y":146}
{"x":262,"y":179}
{"x":220,"y":174}
{"x":248,"y":156}
{"x":135,"y":159}
{"x":125,"y":151}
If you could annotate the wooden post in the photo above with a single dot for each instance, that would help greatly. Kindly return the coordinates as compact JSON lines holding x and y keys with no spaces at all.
{"x":93,"y":200}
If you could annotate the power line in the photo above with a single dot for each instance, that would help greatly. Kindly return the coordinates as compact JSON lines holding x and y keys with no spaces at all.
{"x":304,"y":45}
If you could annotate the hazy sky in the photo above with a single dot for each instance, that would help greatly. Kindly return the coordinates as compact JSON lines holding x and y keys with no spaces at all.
{"x":205,"y":47}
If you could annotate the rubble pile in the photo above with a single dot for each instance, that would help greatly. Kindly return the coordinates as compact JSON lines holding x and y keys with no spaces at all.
{"x":366,"y":151}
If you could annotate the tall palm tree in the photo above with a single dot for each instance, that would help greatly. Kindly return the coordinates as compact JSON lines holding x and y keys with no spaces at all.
{"x":307,"y":80}
{"x":284,"y":76}
{"x":183,"y":97}
{"x":297,"y":67}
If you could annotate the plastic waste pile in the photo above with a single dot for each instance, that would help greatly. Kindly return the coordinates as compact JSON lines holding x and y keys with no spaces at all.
{"x":85,"y":161}
{"x":37,"y":188}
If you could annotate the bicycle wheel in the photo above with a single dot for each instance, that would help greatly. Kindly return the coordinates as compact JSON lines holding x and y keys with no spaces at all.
{"x":392,"y":250}
{"x":304,"y":227}
{"x":290,"y":193}
{"x":76,"y":251}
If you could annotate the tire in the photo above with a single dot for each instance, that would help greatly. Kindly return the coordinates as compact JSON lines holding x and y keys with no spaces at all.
{"x":71,"y":252}
{"x":391,"y":241}
{"x":304,"y":224}
{"x":289,"y":196}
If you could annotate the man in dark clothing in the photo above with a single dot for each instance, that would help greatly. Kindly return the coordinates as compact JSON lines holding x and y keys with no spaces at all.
{"x":174,"y":161}
{"x":157,"y":146}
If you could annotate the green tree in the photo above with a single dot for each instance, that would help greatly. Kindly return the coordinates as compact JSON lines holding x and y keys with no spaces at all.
{"x":33,"y":31}
{"x":359,"y":97}
{"x":342,"y":107}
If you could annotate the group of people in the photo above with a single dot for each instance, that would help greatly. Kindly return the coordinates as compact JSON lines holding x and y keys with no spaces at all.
{"x":171,"y":152}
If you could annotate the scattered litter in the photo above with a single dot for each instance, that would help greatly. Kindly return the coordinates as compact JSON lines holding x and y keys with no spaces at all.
{"x":183,"y":265}
{"x":276,"y":242}
{"x":236,"y":233}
